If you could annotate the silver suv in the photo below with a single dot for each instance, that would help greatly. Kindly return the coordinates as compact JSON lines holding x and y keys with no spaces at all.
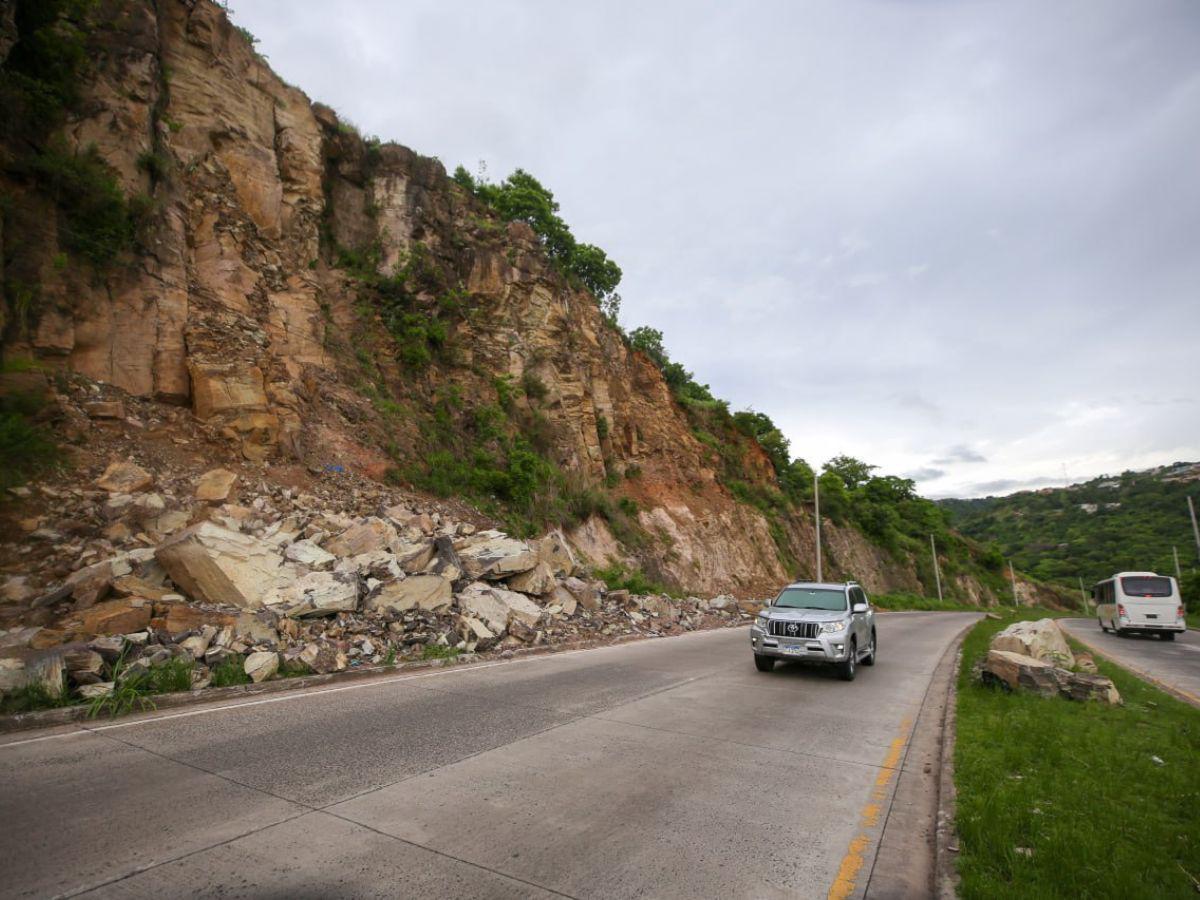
{"x":816,"y":621}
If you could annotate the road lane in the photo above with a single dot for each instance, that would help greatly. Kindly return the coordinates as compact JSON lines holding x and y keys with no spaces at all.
{"x":667,"y":767}
{"x":1175,"y":663}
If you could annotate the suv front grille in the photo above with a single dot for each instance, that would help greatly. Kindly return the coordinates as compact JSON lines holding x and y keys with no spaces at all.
{"x":780,"y":628}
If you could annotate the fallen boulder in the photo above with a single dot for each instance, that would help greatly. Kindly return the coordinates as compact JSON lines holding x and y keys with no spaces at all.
{"x":413,"y":556}
{"x":498,"y":608}
{"x":123,"y":616}
{"x":309,"y":554}
{"x":1019,"y":672}
{"x":428,"y":592}
{"x":538,"y":581}
{"x":124,"y":478}
{"x":320,"y":594}
{"x":261,"y":665}
{"x":445,"y":561}
{"x":493,"y":555}
{"x":554,"y":550}
{"x":214,"y":485}
{"x":216,"y":565}
{"x":369,"y":536}
{"x":1041,"y":639}
{"x":27,"y":668}
{"x":323,"y":658}
{"x":586,"y":594}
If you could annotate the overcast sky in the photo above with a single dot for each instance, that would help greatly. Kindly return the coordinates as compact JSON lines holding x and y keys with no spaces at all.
{"x":959,"y":240}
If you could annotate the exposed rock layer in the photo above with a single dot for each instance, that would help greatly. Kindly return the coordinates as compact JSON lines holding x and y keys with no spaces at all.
{"x":233,"y":307}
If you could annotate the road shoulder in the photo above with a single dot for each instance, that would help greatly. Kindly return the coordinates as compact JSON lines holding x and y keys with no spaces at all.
{"x":913,"y":860}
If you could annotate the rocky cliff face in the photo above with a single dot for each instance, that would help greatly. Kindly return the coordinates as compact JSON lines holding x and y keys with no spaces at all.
{"x":246,"y":302}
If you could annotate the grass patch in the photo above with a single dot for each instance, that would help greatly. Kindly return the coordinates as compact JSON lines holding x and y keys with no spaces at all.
{"x":292,"y":669}
{"x":1075,"y":784}
{"x":229,"y":672}
{"x":439,"y":651}
{"x":617,"y":577}
{"x":32,"y":697}
{"x":904,"y":600}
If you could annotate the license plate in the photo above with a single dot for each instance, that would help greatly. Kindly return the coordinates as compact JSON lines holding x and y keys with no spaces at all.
{"x":796,"y":650}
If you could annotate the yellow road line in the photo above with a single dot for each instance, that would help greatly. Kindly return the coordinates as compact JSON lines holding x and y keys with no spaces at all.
{"x":856,"y":855}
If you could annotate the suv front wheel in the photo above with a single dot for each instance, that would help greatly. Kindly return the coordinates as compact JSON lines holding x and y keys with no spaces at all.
{"x":869,"y":659}
{"x":764,"y":663}
{"x":848,"y":669}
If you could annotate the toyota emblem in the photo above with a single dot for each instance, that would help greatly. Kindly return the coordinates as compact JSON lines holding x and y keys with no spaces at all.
{"x":793,"y":628}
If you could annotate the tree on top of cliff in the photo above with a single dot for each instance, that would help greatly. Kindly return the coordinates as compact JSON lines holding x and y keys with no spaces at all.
{"x":522,"y":198}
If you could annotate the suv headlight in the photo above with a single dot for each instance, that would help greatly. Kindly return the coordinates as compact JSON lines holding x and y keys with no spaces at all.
{"x":833,"y":627}
{"x":763,"y":622}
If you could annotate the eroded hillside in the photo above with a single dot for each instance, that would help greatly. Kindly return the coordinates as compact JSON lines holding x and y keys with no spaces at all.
{"x":316,"y":302}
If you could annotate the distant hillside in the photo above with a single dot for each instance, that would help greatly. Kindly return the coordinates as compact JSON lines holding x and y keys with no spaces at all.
{"x":1108,"y":524}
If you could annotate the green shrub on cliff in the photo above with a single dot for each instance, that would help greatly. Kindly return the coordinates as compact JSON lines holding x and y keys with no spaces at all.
{"x":522,"y":198}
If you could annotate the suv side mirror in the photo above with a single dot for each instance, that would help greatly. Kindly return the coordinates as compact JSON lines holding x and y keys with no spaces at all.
{"x":859,"y":608}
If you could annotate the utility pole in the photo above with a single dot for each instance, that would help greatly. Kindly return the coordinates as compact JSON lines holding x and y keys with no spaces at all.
{"x":1013,"y":576}
{"x":937,"y":574}
{"x":817,"y":516}
{"x":1178,"y":574}
{"x":1195,"y":528}
{"x":1083,"y":594}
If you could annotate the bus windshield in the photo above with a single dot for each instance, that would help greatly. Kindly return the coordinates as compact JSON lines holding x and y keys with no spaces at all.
{"x":1146,"y":586}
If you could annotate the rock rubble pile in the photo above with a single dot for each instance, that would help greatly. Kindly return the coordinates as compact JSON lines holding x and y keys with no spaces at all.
{"x":286,"y":581}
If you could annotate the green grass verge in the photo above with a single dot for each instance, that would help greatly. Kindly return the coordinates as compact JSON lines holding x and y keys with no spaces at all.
{"x":909,"y":601}
{"x":1076,"y":785}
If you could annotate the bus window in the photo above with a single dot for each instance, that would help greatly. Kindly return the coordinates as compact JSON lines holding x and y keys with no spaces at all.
{"x":1146,"y":586}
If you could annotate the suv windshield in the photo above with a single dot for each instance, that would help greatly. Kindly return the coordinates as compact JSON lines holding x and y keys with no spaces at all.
{"x":1146,"y":587}
{"x":812,"y":598}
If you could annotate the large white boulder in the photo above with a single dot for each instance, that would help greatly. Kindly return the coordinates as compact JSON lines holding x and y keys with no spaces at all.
{"x":261,"y":665}
{"x":414,"y":556}
{"x":587,"y":594}
{"x":427,"y":592}
{"x":321,"y":594}
{"x":1043,"y":640}
{"x":213,"y":564}
{"x":554,"y":550}
{"x":368,"y":536}
{"x":493,"y":555}
{"x":496,"y":607}
{"x":310,"y":555}
{"x":538,"y":581}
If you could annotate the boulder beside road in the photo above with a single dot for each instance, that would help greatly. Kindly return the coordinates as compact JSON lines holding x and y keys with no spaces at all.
{"x":1042,"y":675}
{"x":1042,"y":640}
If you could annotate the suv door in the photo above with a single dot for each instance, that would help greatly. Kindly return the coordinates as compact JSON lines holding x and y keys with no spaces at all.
{"x":862,"y":625}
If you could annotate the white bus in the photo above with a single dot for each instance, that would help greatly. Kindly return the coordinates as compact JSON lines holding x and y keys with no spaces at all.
{"x":1139,"y":603}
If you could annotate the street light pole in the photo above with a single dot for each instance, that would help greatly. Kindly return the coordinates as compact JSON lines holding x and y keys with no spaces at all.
{"x":1178,"y":574}
{"x":937,"y":575}
{"x":1083,"y":594}
{"x":817,"y":516}
{"x":1195,"y":527}
{"x":1013,"y":576}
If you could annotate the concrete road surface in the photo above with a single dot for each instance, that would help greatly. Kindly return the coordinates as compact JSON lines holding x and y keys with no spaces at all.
{"x":663,"y":768}
{"x":1176,"y":664}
